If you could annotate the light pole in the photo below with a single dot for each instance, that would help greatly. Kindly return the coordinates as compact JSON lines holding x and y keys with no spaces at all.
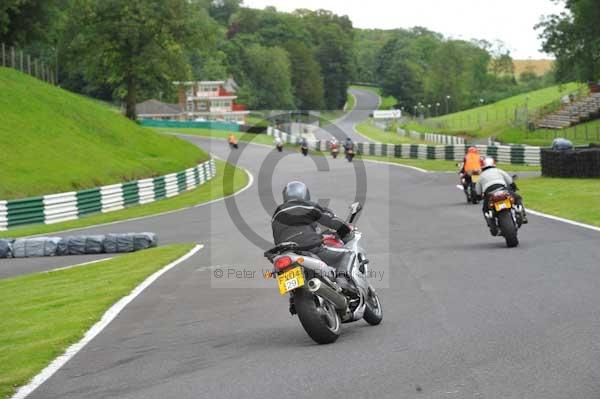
{"x":447,"y":106}
{"x":437,"y":109}
{"x":415,"y":113}
{"x":429,"y":110}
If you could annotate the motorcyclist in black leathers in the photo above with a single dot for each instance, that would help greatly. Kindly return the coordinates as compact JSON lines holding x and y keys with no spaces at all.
{"x":297,"y":220}
{"x":348,"y":145}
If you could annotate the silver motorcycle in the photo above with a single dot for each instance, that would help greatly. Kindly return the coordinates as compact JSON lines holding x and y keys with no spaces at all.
{"x":326,"y":295}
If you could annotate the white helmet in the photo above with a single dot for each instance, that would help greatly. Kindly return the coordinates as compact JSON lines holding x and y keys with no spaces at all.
{"x":489,"y":162}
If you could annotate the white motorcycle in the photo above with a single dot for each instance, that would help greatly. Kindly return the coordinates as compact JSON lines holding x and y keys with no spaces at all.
{"x":316,"y":296}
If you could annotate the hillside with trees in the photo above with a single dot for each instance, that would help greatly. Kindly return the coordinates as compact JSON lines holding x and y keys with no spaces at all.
{"x":127,"y":51}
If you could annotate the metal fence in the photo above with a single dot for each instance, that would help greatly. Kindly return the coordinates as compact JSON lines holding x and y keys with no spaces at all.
{"x":580,"y":134}
{"x":11,"y":57}
{"x":518,"y":115}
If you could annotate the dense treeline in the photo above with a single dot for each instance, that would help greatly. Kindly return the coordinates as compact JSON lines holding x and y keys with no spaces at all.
{"x":131,"y":50}
{"x":574,"y":39}
{"x":418,"y":66}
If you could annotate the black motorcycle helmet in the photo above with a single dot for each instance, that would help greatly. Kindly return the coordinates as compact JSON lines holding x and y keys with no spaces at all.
{"x":296,"y":190}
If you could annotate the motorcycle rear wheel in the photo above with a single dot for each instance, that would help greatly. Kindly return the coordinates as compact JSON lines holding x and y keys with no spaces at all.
{"x":508,"y":228}
{"x":318,"y":317}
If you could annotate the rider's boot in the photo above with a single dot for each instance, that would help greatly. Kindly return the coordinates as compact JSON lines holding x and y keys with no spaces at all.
{"x":489,"y":218}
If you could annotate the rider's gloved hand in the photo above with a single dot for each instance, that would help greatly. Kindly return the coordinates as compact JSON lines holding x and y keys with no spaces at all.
{"x":345,"y":230}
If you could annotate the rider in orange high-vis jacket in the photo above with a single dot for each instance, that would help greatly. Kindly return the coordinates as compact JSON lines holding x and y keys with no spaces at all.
{"x":472,"y":164}
{"x":472,"y":161}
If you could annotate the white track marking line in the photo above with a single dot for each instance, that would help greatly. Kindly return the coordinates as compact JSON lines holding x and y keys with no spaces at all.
{"x":79,"y":264}
{"x":108,"y":316}
{"x":397,"y":164}
{"x":563,"y":220}
{"x":250,"y":182}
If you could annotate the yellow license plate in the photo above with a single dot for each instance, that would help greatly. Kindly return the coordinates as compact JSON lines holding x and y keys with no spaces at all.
{"x":290,"y":280}
{"x":506,"y":204}
{"x":475,"y":178}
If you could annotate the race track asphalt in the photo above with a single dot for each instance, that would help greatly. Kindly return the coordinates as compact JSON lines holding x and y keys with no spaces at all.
{"x":366,"y":103}
{"x":464,"y":317}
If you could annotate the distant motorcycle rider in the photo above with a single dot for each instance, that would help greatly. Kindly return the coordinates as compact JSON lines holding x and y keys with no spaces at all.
{"x":493,"y":178}
{"x":348,"y":144}
{"x":472,"y":163}
{"x":278,"y":142}
{"x":298,"y":218}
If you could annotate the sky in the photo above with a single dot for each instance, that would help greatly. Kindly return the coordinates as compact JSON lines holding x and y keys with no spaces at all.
{"x":510,"y":21}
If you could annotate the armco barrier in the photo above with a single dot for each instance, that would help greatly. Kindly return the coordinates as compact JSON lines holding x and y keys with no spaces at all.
{"x":234,"y":127}
{"x":509,"y":154}
{"x":56,"y":208}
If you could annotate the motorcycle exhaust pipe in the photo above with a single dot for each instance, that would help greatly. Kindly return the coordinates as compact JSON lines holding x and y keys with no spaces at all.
{"x":316,"y":286}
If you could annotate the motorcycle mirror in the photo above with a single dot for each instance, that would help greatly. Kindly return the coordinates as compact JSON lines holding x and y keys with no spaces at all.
{"x":515,"y":177}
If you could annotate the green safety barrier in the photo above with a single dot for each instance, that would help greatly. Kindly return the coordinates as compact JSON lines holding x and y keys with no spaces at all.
{"x":216,"y":125}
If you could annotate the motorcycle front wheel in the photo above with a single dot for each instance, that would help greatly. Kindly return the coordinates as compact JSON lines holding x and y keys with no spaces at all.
{"x":373,"y":311}
{"x":318,"y":316}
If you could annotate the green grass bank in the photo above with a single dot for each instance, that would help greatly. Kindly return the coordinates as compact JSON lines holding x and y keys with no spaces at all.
{"x":54,"y":141}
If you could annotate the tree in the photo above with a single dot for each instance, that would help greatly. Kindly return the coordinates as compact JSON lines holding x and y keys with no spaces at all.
{"x":23,"y":21}
{"x":401,"y":81}
{"x":334,"y":57}
{"x":222,"y":10}
{"x":574,"y":39}
{"x":133,"y":44}
{"x":306,"y":77}
{"x":268,"y":82}
{"x":447,"y":75}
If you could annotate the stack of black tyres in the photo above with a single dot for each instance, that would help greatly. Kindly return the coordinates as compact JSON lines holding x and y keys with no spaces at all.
{"x":76,"y":245}
{"x":580,"y":163}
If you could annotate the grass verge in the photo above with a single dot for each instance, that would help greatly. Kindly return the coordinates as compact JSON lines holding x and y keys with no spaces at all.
{"x":575,"y":199}
{"x":221,"y":134}
{"x":380,"y":136}
{"x":582,"y":134}
{"x":42,"y":314}
{"x":220,"y":186}
{"x":55,"y":141}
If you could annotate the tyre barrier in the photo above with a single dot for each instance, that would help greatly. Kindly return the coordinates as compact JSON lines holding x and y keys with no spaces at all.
{"x":508,"y":154}
{"x":76,"y":245}
{"x":578,"y":163}
{"x":55,"y":208}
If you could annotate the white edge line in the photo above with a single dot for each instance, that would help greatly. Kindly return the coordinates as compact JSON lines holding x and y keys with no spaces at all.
{"x":397,"y":164}
{"x":567,"y":221}
{"x":79,"y":264}
{"x":108,"y":316}
{"x":250,"y":182}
